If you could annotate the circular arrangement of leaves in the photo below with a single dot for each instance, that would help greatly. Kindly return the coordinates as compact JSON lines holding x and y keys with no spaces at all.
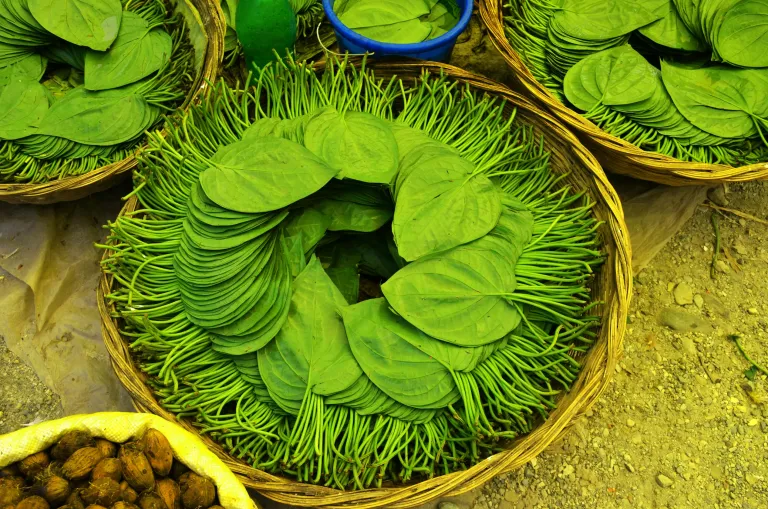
{"x":349,"y":280}
{"x":682,"y":78}
{"x":80,"y":82}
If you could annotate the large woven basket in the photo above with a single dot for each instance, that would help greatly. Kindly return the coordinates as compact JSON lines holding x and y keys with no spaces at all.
{"x":611,"y":287}
{"x":74,"y":188}
{"x":615,"y":154}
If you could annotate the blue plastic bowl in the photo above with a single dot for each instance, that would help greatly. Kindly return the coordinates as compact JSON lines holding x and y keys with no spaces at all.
{"x":437,"y":50}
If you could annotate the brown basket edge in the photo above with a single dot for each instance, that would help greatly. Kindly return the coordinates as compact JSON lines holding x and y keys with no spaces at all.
{"x":104,"y":177}
{"x":599,"y":366}
{"x":623,"y":157}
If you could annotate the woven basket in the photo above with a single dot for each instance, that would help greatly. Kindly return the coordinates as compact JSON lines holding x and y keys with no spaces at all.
{"x":74,"y":188}
{"x":615,"y":154}
{"x":611,"y":287}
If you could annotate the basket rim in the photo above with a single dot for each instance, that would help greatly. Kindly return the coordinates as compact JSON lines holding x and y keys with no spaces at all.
{"x":619,"y":155}
{"x":103,"y":177}
{"x":592,"y":380}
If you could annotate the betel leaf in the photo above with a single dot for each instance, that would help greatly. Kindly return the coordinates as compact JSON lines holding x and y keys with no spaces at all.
{"x":597,"y":20}
{"x":341,"y":265}
{"x":408,"y":139}
{"x":304,"y":229}
{"x":100,"y":118}
{"x":742,"y":38}
{"x":359,"y":145}
{"x":308,"y":225}
{"x":717,"y":99}
{"x":393,"y":364}
{"x":405,"y":32}
{"x":138,"y":51}
{"x":353,"y":206}
{"x":670,"y":30}
{"x":23,"y":104}
{"x":347,"y":280}
{"x":311,"y":351}
{"x":250,"y":176}
{"x":31,"y":67}
{"x":66,"y":53}
{"x":350,"y":216}
{"x":91,"y":23}
{"x":197,"y":33}
{"x":369,"y":13}
{"x":458,"y":296}
{"x":441,"y":204}
{"x":632,"y":78}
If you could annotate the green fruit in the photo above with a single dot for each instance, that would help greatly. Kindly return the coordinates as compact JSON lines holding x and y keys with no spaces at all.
{"x":264,"y":26}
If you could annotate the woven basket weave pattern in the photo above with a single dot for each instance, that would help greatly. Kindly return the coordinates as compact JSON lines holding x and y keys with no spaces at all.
{"x":615,"y":154}
{"x":74,"y":188}
{"x":611,"y":287}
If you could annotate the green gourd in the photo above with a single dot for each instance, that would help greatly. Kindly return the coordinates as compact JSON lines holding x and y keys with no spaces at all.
{"x":264,"y":26}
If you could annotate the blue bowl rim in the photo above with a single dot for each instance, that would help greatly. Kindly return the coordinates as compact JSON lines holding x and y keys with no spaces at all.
{"x":386,"y":47}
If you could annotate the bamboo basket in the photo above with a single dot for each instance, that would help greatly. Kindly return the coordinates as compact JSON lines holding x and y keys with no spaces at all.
{"x":74,"y":188}
{"x":615,"y":154}
{"x":612,"y":287}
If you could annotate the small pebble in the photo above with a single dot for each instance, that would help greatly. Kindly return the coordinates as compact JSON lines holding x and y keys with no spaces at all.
{"x":664,"y":481}
{"x":717,"y":196}
{"x":683,"y":294}
{"x":698,"y":300}
{"x":630,"y":423}
{"x":752,"y":311}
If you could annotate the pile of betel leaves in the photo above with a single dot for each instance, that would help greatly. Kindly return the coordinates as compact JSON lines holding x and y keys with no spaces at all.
{"x":398,"y":21}
{"x":351,"y":280}
{"x":309,"y":13}
{"x":81,"y":81}
{"x":684,"y":78}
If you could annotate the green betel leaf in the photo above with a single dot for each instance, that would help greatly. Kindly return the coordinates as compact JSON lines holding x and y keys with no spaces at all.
{"x":198,"y":36}
{"x":743,"y":35}
{"x":23,"y":104}
{"x":670,"y":30}
{"x":250,"y":176}
{"x":359,"y":145}
{"x":632,"y":78}
{"x":311,"y":351}
{"x":308,"y":225}
{"x":717,"y":99}
{"x":404,"y":32}
{"x":441,"y":205}
{"x":351,"y":216}
{"x":305,"y":228}
{"x":370,"y":13}
{"x":31,"y":68}
{"x":458,"y":296}
{"x":91,"y":23}
{"x":66,"y":53}
{"x":347,"y":280}
{"x":599,"y":20}
{"x":137,"y":52}
{"x":102,"y":118}
{"x":585,"y":82}
{"x":392,"y":363}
